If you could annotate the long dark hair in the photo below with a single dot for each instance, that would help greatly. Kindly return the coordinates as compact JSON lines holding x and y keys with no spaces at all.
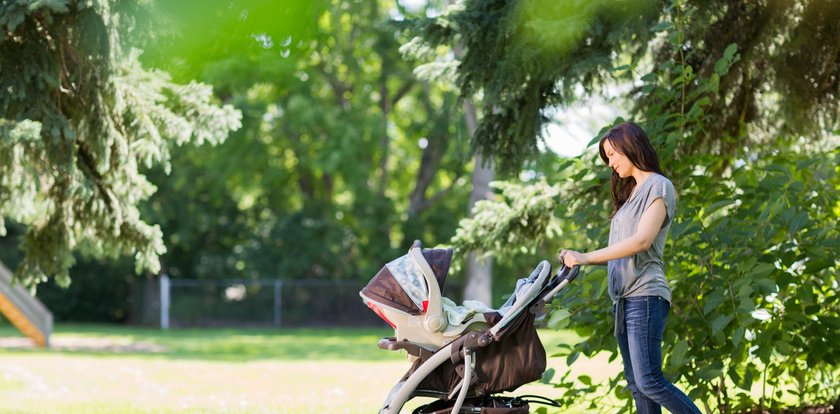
{"x":630,"y":140}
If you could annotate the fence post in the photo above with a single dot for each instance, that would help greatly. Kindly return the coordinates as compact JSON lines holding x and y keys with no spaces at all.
{"x":278,"y":301}
{"x":164,"y":301}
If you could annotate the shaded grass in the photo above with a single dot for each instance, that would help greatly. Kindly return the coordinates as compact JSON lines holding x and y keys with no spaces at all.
{"x":223,"y":344}
{"x":310,"y":344}
{"x":211,"y":371}
{"x":229,"y":371}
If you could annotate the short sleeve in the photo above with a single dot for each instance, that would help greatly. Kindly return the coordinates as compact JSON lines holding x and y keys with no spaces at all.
{"x":664,"y":189}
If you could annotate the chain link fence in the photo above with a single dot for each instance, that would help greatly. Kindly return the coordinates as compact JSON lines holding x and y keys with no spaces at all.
{"x":250,"y":303}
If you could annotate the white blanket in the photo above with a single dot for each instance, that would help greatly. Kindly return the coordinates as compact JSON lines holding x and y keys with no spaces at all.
{"x":456,"y":315}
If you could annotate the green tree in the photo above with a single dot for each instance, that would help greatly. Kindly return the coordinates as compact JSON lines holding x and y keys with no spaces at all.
{"x":344,"y":152}
{"x":719,"y":88}
{"x":526,"y":57}
{"x":80,"y":120}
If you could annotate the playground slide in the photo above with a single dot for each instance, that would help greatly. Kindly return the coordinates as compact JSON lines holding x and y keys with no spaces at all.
{"x":23,"y":310}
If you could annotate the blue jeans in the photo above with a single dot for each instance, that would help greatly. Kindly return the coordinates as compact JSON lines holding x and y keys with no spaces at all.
{"x":641,"y":351}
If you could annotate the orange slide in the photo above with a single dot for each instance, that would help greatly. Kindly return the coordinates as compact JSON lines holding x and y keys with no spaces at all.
{"x":23,"y":310}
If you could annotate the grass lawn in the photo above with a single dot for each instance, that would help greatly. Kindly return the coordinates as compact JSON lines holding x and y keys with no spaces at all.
{"x":114,"y":369}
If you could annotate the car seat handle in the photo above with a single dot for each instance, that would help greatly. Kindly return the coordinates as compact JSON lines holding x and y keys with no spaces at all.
{"x":435,"y":320}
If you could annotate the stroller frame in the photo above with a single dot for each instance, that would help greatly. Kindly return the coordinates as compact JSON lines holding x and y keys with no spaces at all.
{"x":462,"y":349}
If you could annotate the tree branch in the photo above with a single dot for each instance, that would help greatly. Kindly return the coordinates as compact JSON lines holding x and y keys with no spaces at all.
{"x":402,"y":92}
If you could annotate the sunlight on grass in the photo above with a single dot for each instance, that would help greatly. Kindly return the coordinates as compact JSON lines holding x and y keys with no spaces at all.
{"x":113,"y":369}
{"x":217,"y":371}
{"x":221,"y":344}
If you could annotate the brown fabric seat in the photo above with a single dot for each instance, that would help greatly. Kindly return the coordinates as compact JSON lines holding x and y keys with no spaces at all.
{"x":516,"y":359}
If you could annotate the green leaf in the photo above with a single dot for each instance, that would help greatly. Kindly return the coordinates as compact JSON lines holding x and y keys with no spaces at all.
{"x":799,"y":222}
{"x":720,"y":322}
{"x":572,"y":358}
{"x":738,"y":335}
{"x":717,"y":205}
{"x":783,"y":347}
{"x":730,"y":51}
{"x":761,"y":270}
{"x":729,"y":56}
{"x":547,"y":376}
{"x":767,"y":285}
{"x":797,"y":317}
{"x":763,"y":352}
{"x":712,"y":301}
{"x":830,"y":320}
{"x":678,"y":354}
{"x":559,"y":319}
{"x":57,"y":6}
{"x":714,"y":83}
{"x":593,"y":141}
{"x":773,"y":207}
{"x":745,"y":305}
{"x":709,"y":372}
{"x":721,"y":66}
{"x":14,"y":19}
{"x":661,"y":26}
{"x":684,"y":227}
{"x":746,"y":383}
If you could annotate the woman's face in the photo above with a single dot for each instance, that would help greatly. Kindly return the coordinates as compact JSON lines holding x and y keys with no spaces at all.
{"x":618,"y":161}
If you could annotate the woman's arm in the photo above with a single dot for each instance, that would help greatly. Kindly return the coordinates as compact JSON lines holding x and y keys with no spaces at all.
{"x":649,"y":226}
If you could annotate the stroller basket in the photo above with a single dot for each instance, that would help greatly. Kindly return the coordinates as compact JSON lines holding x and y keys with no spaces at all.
{"x":460,"y":354}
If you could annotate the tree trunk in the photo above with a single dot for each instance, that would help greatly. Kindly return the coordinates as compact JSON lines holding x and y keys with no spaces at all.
{"x":385,"y":140}
{"x":429,"y":164}
{"x":479,"y":270}
{"x":437,"y":144}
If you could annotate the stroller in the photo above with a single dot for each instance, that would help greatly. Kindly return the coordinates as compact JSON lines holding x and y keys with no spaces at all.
{"x":468,"y":350}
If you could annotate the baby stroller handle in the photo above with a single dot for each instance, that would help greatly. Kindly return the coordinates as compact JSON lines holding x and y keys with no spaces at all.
{"x":567,"y":275}
{"x":572,"y":273}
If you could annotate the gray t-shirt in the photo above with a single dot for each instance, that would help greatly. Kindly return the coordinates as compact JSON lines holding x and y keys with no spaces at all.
{"x":641,"y":274}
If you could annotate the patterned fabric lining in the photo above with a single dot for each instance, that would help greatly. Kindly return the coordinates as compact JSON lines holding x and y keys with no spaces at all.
{"x":410,"y":278}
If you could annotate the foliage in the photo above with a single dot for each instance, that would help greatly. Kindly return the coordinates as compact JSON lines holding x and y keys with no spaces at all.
{"x":757,"y":255}
{"x":521,"y":58}
{"x":79,"y":119}
{"x":93,"y":296}
{"x":323,"y":180}
{"x":755,"y":303}
{"x":520,"y":219}
{"x":344,"y":154}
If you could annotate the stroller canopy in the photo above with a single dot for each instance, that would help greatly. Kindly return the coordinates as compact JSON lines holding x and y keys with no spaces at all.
{"x":401,"y":285}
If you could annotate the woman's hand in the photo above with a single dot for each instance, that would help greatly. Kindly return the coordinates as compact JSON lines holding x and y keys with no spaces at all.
{"x":572,"y":258}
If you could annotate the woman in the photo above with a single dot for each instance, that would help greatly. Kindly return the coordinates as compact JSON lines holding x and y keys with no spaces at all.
{"x":643,"y":208}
